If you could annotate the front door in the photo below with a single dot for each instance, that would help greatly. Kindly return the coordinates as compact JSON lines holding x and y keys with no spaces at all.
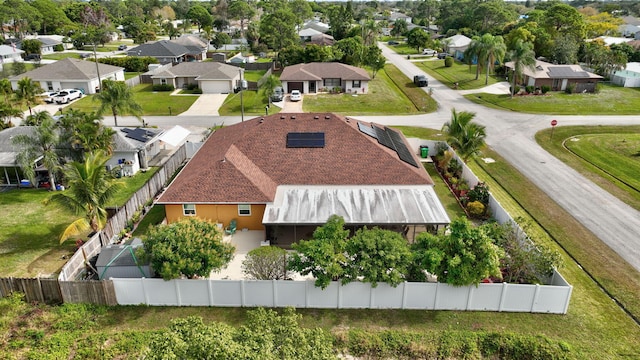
{"x":312,"y":86}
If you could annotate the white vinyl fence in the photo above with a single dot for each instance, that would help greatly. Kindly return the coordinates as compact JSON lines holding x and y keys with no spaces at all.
{"x":303,"y":294}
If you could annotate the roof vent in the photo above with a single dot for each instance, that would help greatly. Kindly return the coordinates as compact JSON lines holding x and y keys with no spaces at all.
{"x":293,"y":117}
{"x":347,"y":119}
{"x":261,"y":120}
{"x":327,"y":117}
{"x":316,"y":117}
{"x":282,"y":117}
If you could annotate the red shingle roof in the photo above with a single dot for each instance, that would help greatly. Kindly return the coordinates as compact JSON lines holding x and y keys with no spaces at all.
{"x":323,"y":70}
{"x":247,"y":161}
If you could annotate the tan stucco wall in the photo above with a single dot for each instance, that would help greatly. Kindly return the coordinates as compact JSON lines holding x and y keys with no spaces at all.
{"x":221,"y":214}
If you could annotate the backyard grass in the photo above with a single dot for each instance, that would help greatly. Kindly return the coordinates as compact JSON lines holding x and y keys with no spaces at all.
{"x":130,"y":74}
{"x":611,"y":100}
{"x":29,"y":234}
{"x":253,"y":75}
{"x":154,"y":217}
{"x":154,"y":103}
{"x":383,"y":98}
{"x":461,"y":73}
{"x":253,"y":102}
{"x":131,"y":184}
{"x":613,"y":163}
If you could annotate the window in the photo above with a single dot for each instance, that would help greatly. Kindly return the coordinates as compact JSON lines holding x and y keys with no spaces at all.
{"x":244,"y":209}
{"x":49,"y":86}
{"x":332,"y":83}
{"x":189,"y":209}
{"x":163,"y":81}
{"x":356,"y":84}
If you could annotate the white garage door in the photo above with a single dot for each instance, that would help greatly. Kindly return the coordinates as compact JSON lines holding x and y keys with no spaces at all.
{"x":215,"y":87}
{"x":75,"y":85}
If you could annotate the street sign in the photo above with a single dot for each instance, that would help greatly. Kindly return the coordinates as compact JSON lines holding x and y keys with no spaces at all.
{"x":554,"y":122}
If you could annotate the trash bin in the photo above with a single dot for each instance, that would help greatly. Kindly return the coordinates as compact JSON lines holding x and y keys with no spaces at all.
{"x":424,"y":151}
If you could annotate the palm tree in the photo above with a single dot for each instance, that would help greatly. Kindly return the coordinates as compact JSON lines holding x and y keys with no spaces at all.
{"x":464,"y":136}
{"x":5,"y":90}
{"x":474,"y":51}
{"x":522,"y":56}
{"x":117,"y":97}
{"x":493,"y":50}
{"x":6,"y":113}
{"x":91,"y":187}
{"x":27,"y":91}
{"x":36,"y":119}
{"x":270,"y":83}
{"x":43,"y":143}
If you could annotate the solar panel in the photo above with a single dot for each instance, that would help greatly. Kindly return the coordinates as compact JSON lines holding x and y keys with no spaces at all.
{"x":139,"y":134}
{"x":367,"y":130}
{"x":305,"y":140}
{"x":383,"y":138}
{"x":403,"y":152}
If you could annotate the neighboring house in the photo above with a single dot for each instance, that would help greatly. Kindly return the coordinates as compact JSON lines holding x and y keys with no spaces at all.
{"x":211,"y":77}
{"x":316,"y":25}
{"x":10,"y":54}
{"x":629,"y":77}
{"x":558,"y":77}
{"x":322,"y":40}
{"x":399,"y":16}
{"x":610,"y":40}
{"x":629,"y":30}
{"x":324,"y":76}
{"x":164,"y":51}
{"x":48,"y":44}
{"x":71,"y":73}
{"x":288,"y":173}
{"x":195,"y":44}
{"x":306,"y":34}
{"x":10,"y":173}
{"x":456,"y":45}
{"x":133,"y":149}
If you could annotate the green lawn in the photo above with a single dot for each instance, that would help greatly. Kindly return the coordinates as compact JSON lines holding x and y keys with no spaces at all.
{"x":615,"y":150}
{"x":415,"y":94}
{"x":154,"y":103}
{"x":253,"y":102}
{"x":61,"y":55}
{"x":253,"y":75}
{"x":611,"y":100}
{"x":29,"y":230}
{"x":383,"y":98}
{"x":29,"y":234}
{"x":154,"y":217}
{"x":403,"y":48}
{"x":459,"y":72}
{"x":130,"y":74}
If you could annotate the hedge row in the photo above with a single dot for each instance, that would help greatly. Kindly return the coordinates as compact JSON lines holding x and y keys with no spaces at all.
{"x":130,"y":63}
{"x":393,"y":344}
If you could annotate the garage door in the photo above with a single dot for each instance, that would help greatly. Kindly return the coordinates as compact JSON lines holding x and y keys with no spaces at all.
{"x":215,"y":87}
{"x":295,"y":86}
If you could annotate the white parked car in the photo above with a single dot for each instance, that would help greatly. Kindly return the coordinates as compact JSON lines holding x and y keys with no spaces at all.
{"x":295,"y":95}
{"x":67,"y":95}
{"x":430,"y":52}
{"x":49,"y":96}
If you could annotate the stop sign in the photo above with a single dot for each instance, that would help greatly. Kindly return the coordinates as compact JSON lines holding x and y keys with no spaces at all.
{"x":554,"y":122}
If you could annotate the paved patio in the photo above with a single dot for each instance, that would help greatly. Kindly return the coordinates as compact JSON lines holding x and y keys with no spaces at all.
{"x":244,"y":241}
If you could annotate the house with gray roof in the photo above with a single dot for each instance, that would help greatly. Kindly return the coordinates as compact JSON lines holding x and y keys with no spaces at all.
{"x":71,"y":73}
{"x":166,"y":51}
{"x":9,"y":54}
{"x":211,"y":77}
{"x":48,"y":44}
{"x":325,"y":76}
{"x":558,"y":77}
{"x":195,"y":44}
{"x":133,"y":148}
{"x":10,"y":172}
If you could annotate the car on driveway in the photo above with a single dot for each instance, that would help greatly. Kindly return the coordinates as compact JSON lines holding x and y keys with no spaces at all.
{"x":429,"y":52}
{"x":67,"y":95}
{"x":48,"y":96}
{"x":443,"y":55}
{"x":278,"y":94}
{"x":295,"y":95}
{"x":122,"y":47}
{"x":391,"y":42}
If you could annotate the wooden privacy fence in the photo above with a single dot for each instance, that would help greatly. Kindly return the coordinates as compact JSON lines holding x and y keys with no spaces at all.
{"x":52,"y":291}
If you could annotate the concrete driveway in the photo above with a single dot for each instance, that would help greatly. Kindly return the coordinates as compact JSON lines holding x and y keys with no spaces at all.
{"x":292,"y":106}
{"x":207,"y":104}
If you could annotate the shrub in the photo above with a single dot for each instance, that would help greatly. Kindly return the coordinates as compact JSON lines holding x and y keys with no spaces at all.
{"x":480,"y":192}
{"x":545,"y":89}
{"x":597,"y":88}
{"x":529,"y":89}
{"x":197,"y":91}
{"x":517,"y":89}
{"x":476,"y":208}
{"x":448,"y":61}
{"x":570,"y":89}
{"x":58,"y":48}
{"x":192,"y":86}
{"x":266,"y":263}
{"x":163,"y":87}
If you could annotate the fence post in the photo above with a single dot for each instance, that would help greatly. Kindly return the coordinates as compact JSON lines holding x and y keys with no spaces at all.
{"x":469,"y":296}
{"x":210,"y":286}
{"x":306,"y":293}
{"x":503,"y":295}
{"x":274,"y":288}
{"x":339,"y":305}
{"x":404,"y":295}
{"x":176,"y":287}
{"x":242,"y":300}
{"x":535,"y":297}
{"x":371,"y":296}
{"x":144,"y":291}
{"x":435,"y":298}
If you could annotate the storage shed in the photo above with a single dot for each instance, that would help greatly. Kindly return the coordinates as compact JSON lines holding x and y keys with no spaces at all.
{"x":121,"y":261}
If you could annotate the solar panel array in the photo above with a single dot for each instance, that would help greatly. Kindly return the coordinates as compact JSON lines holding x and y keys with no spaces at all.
{"x":305,"y":140}
{"x":139,"y":134}
{"x":391,"y":139}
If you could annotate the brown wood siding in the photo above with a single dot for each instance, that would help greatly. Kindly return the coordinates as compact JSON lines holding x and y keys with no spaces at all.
{"x":221,"y":214}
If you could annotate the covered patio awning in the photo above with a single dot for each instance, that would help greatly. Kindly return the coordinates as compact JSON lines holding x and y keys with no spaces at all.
{"x":358,"y":205}
{"x":175,"y":136}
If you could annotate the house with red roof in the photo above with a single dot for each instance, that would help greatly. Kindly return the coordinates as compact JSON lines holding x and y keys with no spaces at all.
{"x":325,"y":77}
{"x":286,"y":174}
